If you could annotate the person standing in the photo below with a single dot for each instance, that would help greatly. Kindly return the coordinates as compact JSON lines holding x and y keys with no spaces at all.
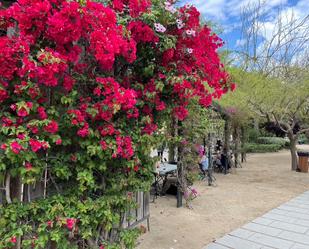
{"x":204,"y":162}
{"x":160,"y":151}
{"x":224,"y":160}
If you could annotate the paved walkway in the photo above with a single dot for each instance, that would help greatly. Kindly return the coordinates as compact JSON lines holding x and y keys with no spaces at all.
{"x":285,"y":227}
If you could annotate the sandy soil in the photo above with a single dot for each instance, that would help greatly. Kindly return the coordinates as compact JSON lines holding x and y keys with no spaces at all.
{"x":263,"y":183}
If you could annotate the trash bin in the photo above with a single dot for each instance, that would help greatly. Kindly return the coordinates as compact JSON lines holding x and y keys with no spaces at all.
{"x":303,"y":161}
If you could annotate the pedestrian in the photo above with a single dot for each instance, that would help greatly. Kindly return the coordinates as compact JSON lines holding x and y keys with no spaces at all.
{"x":160,"y":151}
{"x":204,"y":162}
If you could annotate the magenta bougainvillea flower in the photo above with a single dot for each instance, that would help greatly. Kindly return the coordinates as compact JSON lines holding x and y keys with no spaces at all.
{"x":83,"y":88}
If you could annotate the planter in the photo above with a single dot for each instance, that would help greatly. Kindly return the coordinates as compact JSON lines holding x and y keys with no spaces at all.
{"x":303,"y":161}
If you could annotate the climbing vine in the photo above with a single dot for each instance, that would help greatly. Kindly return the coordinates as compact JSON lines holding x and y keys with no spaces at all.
{"x":83,"y":87}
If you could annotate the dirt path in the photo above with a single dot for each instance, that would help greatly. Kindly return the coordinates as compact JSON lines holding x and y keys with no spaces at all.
{"x":263,"y":183}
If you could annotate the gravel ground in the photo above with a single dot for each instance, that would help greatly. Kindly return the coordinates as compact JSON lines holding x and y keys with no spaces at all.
{"x":263,"y":183}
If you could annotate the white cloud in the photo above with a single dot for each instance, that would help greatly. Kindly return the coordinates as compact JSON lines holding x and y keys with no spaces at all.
{"x":302,"y":5}
{"x":284,"y":36}
{"x":301,"y":9}
{"x":221,"y":10}
{"x":214,"y":8}
{"x":228,"y":14}
{"x":287,"y":15}
{"x":240,"y":42}
{"x":211,"y":8}
{"x":235,"y":6}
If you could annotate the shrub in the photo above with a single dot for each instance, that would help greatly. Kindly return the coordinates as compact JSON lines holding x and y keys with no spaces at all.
{"x":262,"y":148}
{"x":273,"y":140}
{"x":192,"y":177}
{"x":253,"y":135}
{"x":303,"y":139}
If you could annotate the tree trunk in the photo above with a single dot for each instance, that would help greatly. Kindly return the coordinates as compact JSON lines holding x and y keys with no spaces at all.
{"x":227,"y":134}
{"x":171,"y":153}
{"x":293,"y":139}
{"x":17,"y":191}
{"x":171,"y":146}
{"x":181,"y":169}
{"x":256,"y":124}
{"x":243,"y":143}
{"x":16,"y":188}
{"x":237,"y":147}
{"x":227,"y":142}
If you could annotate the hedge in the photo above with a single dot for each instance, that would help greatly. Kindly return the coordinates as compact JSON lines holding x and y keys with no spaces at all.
{"x":262,"y":148}
{"x":303,"y":139}
{"x":273,"y":140}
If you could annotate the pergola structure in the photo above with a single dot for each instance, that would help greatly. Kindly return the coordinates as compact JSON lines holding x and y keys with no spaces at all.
{"x":226,"y":117}
{"x":228,"y":131}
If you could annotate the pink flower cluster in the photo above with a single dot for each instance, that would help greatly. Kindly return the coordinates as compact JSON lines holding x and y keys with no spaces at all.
{"x":88,"y":81}
{"x":70,"y":222}
{"x":141,"y":32}
{"x":136,"y":7}
{"x":124,"y":147}
{"x":60,"y":46}
{"x":196,"y":54}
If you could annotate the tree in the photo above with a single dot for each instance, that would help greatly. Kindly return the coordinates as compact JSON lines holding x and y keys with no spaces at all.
{"x":282,"y":103}
{"x":236,"y":113}
{"x":287,"y":106}
{"x":275,"y":64}
{"x":272,"y":47}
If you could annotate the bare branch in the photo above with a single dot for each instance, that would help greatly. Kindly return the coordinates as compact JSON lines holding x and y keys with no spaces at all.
{"x":279,"y":124}
{"x":303,"y":130}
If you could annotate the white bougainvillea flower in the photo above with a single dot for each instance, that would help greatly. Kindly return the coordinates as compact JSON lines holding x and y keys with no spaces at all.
{"x":162,"y":29}
{"x":171,"y":9}
{"x":189,"y":50}
{"x":190,"y":32}
{"x":159,"y":27}
{"x":180,"y":25}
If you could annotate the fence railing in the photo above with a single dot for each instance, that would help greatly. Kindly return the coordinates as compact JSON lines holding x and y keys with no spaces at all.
{"x":142,"y":213}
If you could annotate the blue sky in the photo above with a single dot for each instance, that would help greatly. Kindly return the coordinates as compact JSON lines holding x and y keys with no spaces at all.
{"x":226,"y":13}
